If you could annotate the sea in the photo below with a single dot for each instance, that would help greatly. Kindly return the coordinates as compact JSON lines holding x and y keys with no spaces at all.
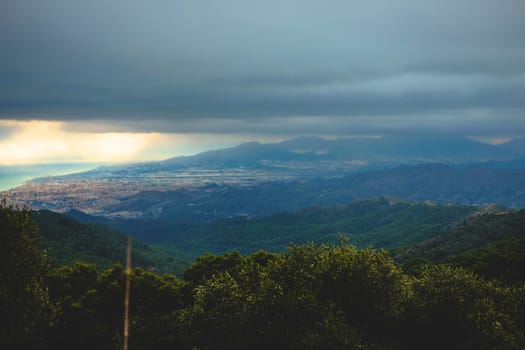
{"x":15,"y":175}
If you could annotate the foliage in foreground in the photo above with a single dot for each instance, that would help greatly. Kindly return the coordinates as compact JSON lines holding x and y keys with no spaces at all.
{"x":25,"y":306}
{"x":309,"y":297}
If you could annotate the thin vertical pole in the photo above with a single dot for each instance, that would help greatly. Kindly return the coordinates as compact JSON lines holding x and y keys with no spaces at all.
{"x":126,"y":296}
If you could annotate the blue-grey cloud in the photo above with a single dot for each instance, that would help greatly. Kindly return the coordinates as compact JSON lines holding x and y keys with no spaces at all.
{"x":6,"y":131}
{"x":266,"y":66}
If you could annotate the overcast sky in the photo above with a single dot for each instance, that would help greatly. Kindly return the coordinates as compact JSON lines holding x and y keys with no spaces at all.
{"x":265,"y":69}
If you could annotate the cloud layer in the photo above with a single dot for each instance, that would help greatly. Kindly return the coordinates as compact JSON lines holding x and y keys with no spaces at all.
{"x":34,"y":142}
{"x":287,"y":67}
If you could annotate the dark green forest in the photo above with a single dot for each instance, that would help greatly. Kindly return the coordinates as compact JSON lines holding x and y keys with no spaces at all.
{"x":66,"y":241}
{"x":309,"y":296}
{"x":492,"y":245}
{"x":382,"y":223}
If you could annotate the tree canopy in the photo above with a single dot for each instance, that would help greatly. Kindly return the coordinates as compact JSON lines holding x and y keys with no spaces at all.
{"x":308,"y":297}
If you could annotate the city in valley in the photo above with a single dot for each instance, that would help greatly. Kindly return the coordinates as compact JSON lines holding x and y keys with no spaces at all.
{"x":96,"y":192}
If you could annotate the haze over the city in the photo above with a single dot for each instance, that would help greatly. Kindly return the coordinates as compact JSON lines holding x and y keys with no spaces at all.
{"x":97,"y":81}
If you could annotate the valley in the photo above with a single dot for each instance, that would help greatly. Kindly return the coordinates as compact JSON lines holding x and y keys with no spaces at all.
{"x":255,"y":179}
{"x":227,"y":199}
{"x":296,"y":175}
{"x":226,"y":235}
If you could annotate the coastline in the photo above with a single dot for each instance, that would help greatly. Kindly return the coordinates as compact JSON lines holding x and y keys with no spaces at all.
{"x":12,"y":176}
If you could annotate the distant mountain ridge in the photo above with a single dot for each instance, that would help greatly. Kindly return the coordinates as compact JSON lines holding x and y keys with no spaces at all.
{"x":256,"y":180}
{"x":369,"y":151}
{"x":386,"y":149}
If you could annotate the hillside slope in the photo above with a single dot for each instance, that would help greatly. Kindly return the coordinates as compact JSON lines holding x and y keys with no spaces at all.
{"x":382,"y":223}
{"x":164,"y":215}
{"x":67,"y":241}
{"x":492,"y":244}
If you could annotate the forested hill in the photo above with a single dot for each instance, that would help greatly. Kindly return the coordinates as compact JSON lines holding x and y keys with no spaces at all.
{"x":67,"y":241}
{"x":381,"y":223}
{"x":308,"y":297}
{"x":491,"y":244}
{"x":161,"y":215}
{"x":439,"y":232}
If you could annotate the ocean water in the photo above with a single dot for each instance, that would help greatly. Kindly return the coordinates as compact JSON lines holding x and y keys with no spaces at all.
{"x":15,"y":175}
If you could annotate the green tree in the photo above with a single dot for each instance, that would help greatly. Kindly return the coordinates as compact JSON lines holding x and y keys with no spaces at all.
{"x":27,"y":312}
{"x":362,"y":287}
{"x":455,"y":309}
{"x":310,"y":297}
{"x":156,"y":302}
{"x":208,"y":265}
{"x":74,"y":290}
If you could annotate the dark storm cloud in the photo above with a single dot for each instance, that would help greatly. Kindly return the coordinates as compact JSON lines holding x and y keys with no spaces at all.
{"x":266,"y":66}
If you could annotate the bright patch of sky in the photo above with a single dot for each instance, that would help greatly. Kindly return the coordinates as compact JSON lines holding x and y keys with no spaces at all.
{"x":32,"y":142}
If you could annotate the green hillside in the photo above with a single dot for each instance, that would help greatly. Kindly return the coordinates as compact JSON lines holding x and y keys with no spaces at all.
{"x":503,"y":260}
{"x":306,"y":297}
{"x":67,"y":241}
{"x":492,"y":245}
{"x":381,"y":223}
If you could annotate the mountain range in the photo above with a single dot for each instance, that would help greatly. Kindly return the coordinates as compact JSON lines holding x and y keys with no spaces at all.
{"x":387,"y":149}
{"x":157,"y":201}
{"x":353,"y":154}
{"x":488,"y":240}
{"x":429,"y":182}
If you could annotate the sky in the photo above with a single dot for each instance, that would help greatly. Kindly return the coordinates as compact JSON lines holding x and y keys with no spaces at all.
{"x":128,"y":80}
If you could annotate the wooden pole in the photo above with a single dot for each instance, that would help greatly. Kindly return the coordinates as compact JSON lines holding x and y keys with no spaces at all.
{"x":126,"y":295}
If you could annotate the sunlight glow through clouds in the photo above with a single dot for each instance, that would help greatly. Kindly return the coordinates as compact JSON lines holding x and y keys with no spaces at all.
{"x":36,"y":142}
{"x":45,"y":141}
